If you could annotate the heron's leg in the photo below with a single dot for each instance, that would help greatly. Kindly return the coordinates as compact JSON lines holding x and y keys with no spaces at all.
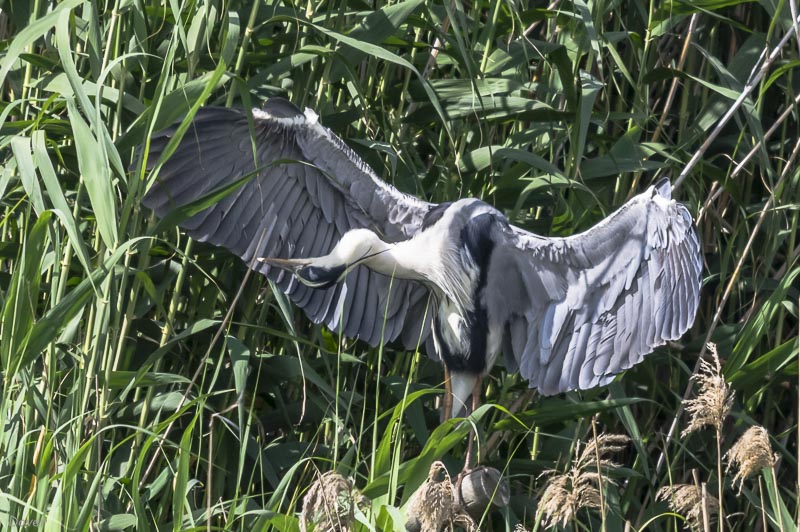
{"x":447,"y":400}
{"x":476,"y":402}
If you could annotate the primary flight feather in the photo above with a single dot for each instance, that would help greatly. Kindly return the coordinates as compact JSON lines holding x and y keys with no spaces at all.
{"x":358,"y":255}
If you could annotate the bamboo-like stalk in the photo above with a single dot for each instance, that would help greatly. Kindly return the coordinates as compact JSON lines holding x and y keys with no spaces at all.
{"x":601,"y":488}
{"x":720,"y":479}
{"x":248,"y":32}
{"x":166,"y":331}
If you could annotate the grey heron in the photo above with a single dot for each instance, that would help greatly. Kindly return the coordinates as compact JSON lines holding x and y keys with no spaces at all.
{"x":359,"y":256}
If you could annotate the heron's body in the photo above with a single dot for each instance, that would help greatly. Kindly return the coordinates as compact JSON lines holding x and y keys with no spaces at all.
{"x":451,"y":257}
{"x":568,"y":313}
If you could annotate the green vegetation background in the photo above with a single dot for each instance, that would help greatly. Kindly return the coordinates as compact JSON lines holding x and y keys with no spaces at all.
{"x":148,"y":381}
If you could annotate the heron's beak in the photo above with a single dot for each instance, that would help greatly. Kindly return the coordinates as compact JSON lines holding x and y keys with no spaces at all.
{"x":308,"y":274}
{"x":291,"y":265}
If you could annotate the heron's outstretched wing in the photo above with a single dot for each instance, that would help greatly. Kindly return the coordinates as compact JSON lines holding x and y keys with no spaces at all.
{"x":579,"y":310}
{"x":308,"y":189}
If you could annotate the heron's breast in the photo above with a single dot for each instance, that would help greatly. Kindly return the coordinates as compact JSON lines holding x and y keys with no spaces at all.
{"x":454,"y":335}
{"x":462,"y":328}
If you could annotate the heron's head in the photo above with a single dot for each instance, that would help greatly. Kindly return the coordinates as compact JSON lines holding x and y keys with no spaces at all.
{"x":323,"y":272}
{"x":311,"y":272}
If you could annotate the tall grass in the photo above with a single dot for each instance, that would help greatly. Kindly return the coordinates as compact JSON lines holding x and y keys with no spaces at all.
{"x":149,"y":381}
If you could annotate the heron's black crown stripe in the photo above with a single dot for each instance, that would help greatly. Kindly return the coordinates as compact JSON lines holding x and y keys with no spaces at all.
{"x":664,"y":187}
{"x":281,"y":108}
{"x":321,"y":277}
{"x":435,"y":214}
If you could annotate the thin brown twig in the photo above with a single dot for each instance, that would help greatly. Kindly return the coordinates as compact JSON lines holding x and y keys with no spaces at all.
{"x":763,"y":505}
{"x":720,"y":509}
{"x":437,"y":45}
{"x":599,"y":473}
{"x":706,"y":518}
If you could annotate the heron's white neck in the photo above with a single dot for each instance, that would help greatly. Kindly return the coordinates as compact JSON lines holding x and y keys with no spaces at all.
{"x":421,"y":258}
{"x":404,"y":260}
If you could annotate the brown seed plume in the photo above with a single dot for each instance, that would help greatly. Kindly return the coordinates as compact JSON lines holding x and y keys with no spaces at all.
{"x":714,"y":399}
{"x":750,"y":454}
{"x":687,"y":500}
{"x":434,"y":506}
{"x":578,"y":488}
{"x":329,"y":505}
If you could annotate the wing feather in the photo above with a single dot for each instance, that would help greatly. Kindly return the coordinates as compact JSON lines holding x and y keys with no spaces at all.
{"x":307,"y":189}
{"x":373,"y":301}
{"x":594,"y":304}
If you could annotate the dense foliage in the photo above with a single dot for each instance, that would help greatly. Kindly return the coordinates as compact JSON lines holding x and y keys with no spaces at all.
{"x":150,"y":380}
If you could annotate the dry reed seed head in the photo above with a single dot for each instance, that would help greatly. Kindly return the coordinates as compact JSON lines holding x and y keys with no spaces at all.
{"x":558,"y":503}
{"x":520,"y":528}
{"x":750,"y":454}
{"x":714,"y":400}
{"x":602,"y":446}
{"x":463,"y":521}
{"x":434,"y":506}
{"x":566,"y":494}
{"x":687,"y":500}
{"x":329,"y":505}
